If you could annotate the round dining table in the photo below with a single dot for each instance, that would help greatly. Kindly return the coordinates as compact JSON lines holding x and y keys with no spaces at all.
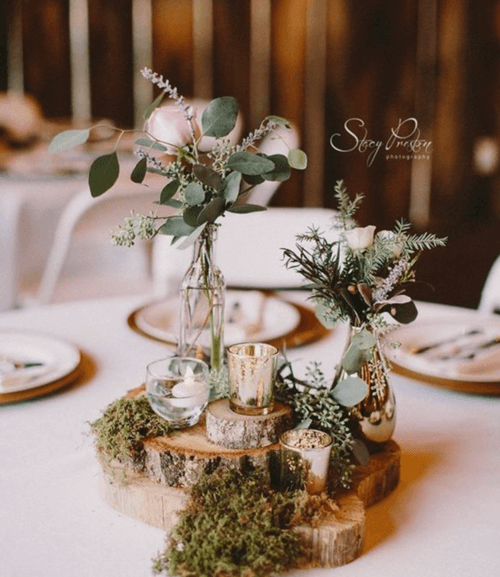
{"x":442,"y":520}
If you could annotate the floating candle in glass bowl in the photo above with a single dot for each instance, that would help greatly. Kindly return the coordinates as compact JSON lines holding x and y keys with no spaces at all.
{"x":177,"y":389}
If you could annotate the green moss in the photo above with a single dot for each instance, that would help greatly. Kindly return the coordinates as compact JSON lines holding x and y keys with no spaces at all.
{"x":236,"y":526}
{"x":123,"y":427}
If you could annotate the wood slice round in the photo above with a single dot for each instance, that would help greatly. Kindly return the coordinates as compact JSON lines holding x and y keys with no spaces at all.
{"x":179,"y":460}
{"x":338,"y":538}
{"x":235,"y":431}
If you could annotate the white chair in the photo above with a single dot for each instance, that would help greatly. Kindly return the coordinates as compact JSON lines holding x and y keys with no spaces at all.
{"x":10,"y":209}
{"x":490,"y":296}
{"x":84,"y":232}
{"x":248,"y":250}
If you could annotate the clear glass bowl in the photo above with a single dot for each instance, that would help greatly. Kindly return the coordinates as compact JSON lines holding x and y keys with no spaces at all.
{"x":177,"y":389}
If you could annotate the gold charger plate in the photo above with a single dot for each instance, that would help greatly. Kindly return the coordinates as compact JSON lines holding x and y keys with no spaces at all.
{"x":472,"y":387}
{"x":306,"y":330}
{"x":82,"y":372}
{"x":446,"y":343}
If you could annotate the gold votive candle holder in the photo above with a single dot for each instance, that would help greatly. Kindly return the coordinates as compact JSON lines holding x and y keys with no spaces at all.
{"x":305,"y":460}
{"x":252,"y":372}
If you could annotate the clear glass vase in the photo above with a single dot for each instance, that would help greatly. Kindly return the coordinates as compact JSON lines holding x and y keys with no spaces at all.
{"x":201,"y":332}
{"x":374,"y":418}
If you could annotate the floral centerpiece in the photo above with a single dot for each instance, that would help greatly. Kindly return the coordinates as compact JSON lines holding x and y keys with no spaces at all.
{"x":361,"y":278}
{"x":206,"y":176}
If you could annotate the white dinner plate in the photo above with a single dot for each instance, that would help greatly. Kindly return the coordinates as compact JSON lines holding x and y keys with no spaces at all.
{"x":160,"y":320}
{"x":58,"y":359}
{"x":464,"y":350}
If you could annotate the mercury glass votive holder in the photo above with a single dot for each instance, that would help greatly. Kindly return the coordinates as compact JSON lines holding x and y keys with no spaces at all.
{"x":252,"y":372}
{"x":305,"y":460}
{"x":178,"y":389}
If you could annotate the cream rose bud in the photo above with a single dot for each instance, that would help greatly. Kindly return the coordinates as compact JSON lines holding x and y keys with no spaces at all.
{"x":360,"y":237}
{"x":389,"y":237}
{"x":167,"y":124}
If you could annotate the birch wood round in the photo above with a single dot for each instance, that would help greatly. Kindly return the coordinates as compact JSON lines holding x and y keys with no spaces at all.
{"x":234,"y":431}
{"x":157,"y":493}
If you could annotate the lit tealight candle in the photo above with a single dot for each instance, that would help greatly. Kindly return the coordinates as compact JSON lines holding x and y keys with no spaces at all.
{"x":189,"y":387}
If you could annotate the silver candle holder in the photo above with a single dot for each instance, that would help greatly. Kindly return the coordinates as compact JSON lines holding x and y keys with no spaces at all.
{"x":252,"y":372}
{"x":305,"y":459}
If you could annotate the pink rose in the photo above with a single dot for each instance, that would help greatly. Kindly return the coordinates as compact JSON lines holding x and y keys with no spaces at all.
{"x":168,"y":125}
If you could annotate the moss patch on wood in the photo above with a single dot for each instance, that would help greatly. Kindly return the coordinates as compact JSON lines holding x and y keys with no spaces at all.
{"x":123,"y":427}
{"x":237,"y":526}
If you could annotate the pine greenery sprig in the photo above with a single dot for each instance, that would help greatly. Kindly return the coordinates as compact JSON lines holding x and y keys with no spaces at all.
{"x":359,"y":275}
{"x":346,"y":206}
{"x":421,"y":242}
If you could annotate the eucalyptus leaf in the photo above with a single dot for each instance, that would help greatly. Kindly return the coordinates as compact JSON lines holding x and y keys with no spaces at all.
{"x":150,"y":144}
{"x":212,"y":211}
{"x":246,"y":208}
{"x":219,"y":117}
{"x":359,"y":351}
{"x":190,"y":240}
{"x":349,"y":392}
{"x":174,"y":203}
{"x":253,"y":179}
{"x":194,"y":194}
{"x":168,"y":191}
{"x":151,"y":108}
{"x":248,"y":163}
{"x":360,"y":453}
{"x":207,"y":176}
{"x":68,"y":139}
{"x":281,"y":170}
{"x":103,"y":174}
{"x":176,"y":226}
{"x":321,"y":311}
{"x":231,"y":187}
{"x":297,"y":159}
{"x":364,"y":339}
{"x":278,"y":120}
{"x":191,"y":214}
{"x":139,"y":171}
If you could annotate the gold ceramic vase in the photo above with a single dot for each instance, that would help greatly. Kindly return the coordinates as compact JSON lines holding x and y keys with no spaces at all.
{"x":374,"y":418}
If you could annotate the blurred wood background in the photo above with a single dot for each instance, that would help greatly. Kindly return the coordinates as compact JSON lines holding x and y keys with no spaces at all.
{"x":318,"y":63}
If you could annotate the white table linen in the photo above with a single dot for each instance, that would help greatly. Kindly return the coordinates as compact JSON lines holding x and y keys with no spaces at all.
{"x":442,"y":520}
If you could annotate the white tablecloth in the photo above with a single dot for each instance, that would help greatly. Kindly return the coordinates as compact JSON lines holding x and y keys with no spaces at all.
{"x":442,"y":520}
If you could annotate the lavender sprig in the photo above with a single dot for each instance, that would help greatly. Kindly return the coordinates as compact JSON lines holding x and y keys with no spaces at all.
{"x":383,"y":291}
{"x":173,"y":93}
{"x":256,"y":135}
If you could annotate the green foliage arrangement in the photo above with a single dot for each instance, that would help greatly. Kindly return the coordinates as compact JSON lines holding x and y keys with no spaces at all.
{"x":123,"y":427}
{"x":360,"y":277}
{"x":202,"y":184}
{"x":316,"y":405}
{"x":236,"y":526}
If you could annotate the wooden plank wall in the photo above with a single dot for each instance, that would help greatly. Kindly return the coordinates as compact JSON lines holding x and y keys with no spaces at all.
{"x":317,"y":62}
